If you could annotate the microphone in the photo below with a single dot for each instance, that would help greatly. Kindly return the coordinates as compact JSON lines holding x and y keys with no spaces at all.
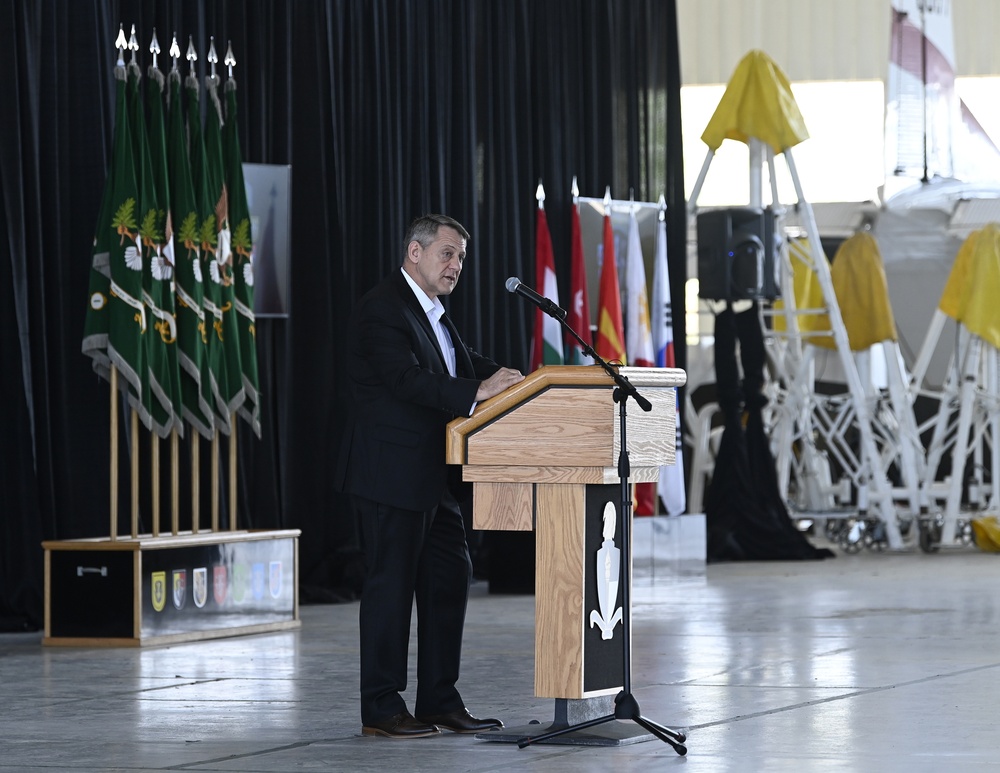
{"x":515,"y":285}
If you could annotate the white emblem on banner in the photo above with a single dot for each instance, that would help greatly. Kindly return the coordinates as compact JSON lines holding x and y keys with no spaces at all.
{"x":608,"y":568}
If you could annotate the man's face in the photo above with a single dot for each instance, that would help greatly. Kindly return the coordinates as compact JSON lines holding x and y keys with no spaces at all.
{"x":436,"y":268}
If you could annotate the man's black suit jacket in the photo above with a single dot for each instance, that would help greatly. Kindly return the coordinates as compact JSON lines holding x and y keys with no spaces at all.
{"x":402,"y":397}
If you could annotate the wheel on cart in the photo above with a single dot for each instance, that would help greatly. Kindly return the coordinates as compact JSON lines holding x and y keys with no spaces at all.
{"x":852,"y":536}
{"x":930,"y":536}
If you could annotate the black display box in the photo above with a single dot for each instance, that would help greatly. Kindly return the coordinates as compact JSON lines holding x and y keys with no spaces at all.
{"x":158,"y":590}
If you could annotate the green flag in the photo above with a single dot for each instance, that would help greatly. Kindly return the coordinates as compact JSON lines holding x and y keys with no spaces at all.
{"x":164,"y":374}
{"x":222,"y":269}
{"x":242,"y":245}
{"x":116,"y":318}
{"x":214,"y":372}
{"x":192,"y":333}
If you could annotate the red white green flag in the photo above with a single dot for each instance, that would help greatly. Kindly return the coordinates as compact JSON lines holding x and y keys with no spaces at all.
{"x":546,"y":347}
{"x":578,"y":313}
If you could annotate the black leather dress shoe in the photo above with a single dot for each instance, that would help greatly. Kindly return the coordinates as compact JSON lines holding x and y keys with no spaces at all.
{"x":461,"y":721}
{"x":401,"y":725}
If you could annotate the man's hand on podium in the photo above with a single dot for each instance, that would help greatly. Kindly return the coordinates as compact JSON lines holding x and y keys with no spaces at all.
{"x":498,"y":382}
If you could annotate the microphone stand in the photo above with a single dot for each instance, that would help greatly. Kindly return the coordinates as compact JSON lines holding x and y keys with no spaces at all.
{"x":626,"y":706}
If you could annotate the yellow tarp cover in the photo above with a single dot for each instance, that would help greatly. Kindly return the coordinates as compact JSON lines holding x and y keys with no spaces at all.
{"x":862,"y":293}
{"x":972,"y":294}
{"x":987,"y":533}
{"x":859,"y":283}
{"x":808,"y":295}
{"x":758,"y":103}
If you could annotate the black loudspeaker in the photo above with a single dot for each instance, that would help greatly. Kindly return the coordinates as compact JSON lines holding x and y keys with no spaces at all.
{"x":737,"y":255}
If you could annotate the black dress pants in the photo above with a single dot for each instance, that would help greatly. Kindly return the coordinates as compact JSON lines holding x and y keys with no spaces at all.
{"x":411,"y":554}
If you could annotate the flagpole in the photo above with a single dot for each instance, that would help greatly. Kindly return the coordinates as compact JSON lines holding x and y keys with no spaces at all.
{"x":175,"y":482}
{"x":114,"y":452}
{"x":133,"y":46}
{"x":230,"y":60}
{"x":135,"y":473}
{"x":195,"y":481}
{"x":215,"y":480}
{"x":232,"y":472}
{"x":154,"y":478}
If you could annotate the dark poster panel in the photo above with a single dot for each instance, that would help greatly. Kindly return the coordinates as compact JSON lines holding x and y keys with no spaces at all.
{"x":269,"y":192}
{"x":603,"y":658}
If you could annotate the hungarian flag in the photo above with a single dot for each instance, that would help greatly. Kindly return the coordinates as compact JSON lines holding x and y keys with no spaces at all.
{"x":214,"y":364}
{"x":638,"y":339}
{"x":546,"y":347}
{"x":610,"y":336}
{"x":192,"y":333}
{"x":158,"y":264}
{"x":220,"y":274}
{"x":671,"y":484}
{"x":116,"y":318}
{"x":242,"y":245}
{"x":578,"y":314}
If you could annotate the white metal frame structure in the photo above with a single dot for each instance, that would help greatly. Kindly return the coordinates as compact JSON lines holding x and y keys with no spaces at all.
{"x":965,"y":428}
{"x":804,"y":425}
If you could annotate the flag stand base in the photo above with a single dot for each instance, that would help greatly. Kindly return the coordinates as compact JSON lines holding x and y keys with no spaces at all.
{"x":139,"y":591}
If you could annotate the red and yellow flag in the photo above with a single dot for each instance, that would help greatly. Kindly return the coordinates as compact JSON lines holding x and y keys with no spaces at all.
{"x":610,"y":342}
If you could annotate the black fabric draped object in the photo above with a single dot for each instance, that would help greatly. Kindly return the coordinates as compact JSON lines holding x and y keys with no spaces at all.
{"x":385,"y":110}
{"x":746,"y":516}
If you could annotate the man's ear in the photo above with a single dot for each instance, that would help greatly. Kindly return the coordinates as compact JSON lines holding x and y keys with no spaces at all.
{"x":413,"y":252}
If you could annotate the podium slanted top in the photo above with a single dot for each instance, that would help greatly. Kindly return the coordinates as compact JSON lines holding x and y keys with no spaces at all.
{"x":563,"y":416}
{"x":757,"y":103}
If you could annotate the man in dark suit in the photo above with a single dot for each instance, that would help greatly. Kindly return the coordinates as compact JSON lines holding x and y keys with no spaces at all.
{"x":410,"y":375}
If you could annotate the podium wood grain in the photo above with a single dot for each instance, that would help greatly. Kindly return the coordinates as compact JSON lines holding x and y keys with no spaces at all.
{"x":531,"y":453}
{"x":559,"y":573}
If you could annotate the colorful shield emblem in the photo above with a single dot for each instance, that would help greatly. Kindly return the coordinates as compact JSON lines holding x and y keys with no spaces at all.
{"x":180,"y":588}
{"x":258,"y":581}
{"x":274,"y":579}
{"x":220,"y":584}
{"x":158,"y":590}
{"x":199,"y":592}
{"x":241,"y":582}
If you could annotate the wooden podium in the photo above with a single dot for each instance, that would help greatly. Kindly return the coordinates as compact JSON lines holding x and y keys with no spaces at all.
{"x":543,"y":455}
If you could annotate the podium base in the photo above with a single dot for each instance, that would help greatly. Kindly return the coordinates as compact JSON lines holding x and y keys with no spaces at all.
{"x":570,"y":712}
{"x":617,"y":733}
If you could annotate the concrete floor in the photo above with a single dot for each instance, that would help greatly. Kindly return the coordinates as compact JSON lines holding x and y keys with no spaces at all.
{"x":867,"y":662}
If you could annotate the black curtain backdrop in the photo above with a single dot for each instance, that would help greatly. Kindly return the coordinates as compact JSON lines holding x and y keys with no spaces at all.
{"x":385,"y":109}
